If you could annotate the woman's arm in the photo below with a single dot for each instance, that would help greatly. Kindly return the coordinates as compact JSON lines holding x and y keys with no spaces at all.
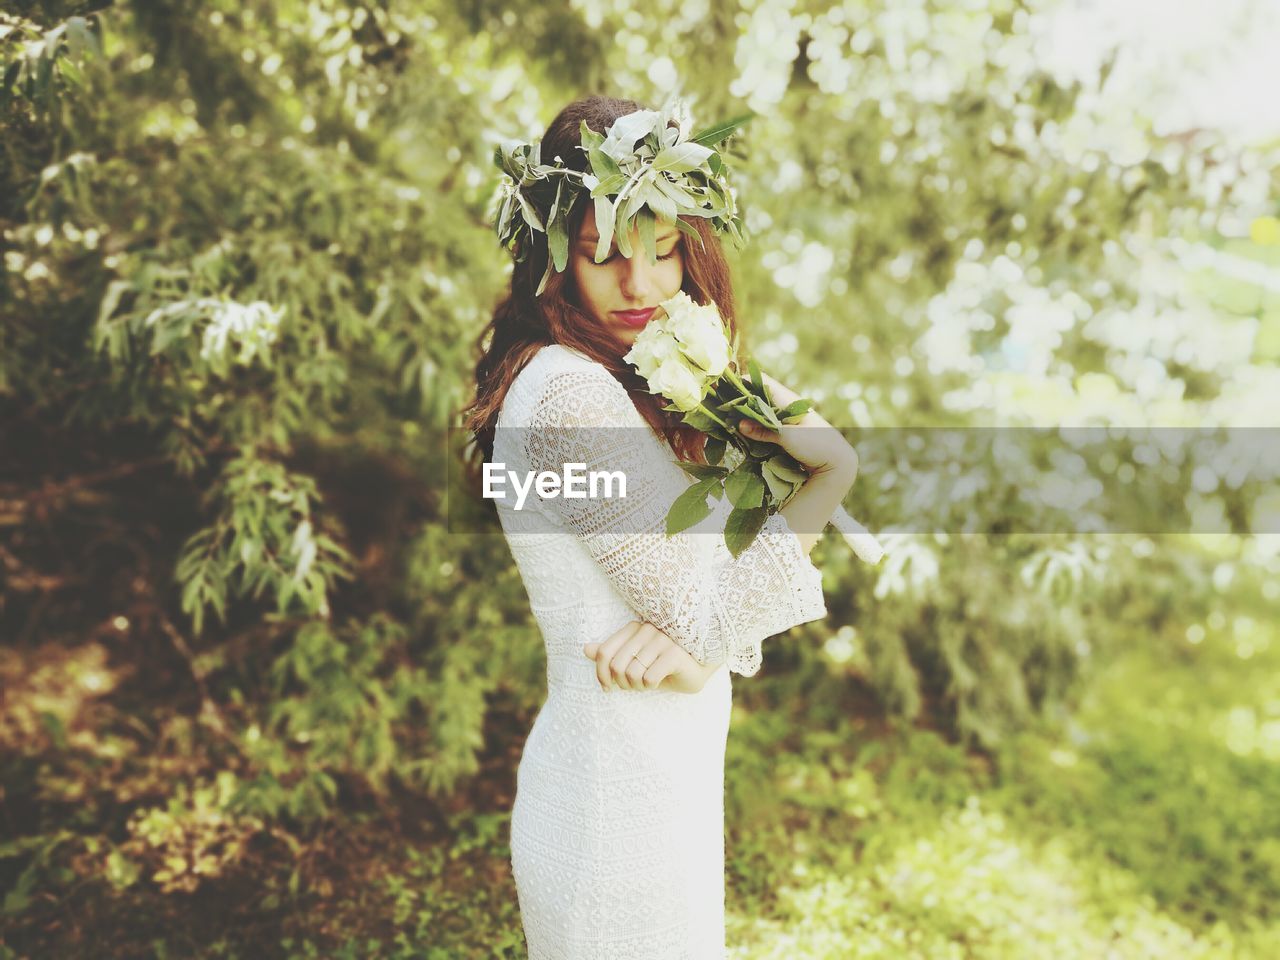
{"x":717,"y":607}
{"x":831,"y":460}
{"x":810,"y":510}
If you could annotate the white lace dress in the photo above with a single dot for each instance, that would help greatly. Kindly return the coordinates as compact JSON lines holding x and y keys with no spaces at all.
{"x":617,"y":830}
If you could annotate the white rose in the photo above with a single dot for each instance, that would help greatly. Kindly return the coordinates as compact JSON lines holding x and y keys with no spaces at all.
{"x":673,"y":306}
{"x":679,"y":384}
{"x":700,"y":331}
{"x":651,"y":347}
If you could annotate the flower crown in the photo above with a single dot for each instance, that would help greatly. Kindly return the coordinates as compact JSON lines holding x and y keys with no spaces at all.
{"x":644,"y":167}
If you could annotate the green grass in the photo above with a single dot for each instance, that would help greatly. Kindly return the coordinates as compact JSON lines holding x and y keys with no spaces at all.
{"x":1152,"y":831}
{"x":1149,"y":829}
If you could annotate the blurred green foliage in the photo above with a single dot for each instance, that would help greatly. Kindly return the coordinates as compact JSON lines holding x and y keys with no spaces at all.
{"x":246,"y":252}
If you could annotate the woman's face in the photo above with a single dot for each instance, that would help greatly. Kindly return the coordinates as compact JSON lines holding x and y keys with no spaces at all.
{"x":618,"y":284}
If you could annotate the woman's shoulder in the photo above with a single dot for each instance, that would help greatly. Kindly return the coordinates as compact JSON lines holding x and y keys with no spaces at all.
{"x":563,"y":356}
{"x":557,"y":365}
{"x":562,"y":379}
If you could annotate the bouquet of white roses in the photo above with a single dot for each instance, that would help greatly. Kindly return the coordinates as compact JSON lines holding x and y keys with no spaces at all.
{"x":684,"y":354}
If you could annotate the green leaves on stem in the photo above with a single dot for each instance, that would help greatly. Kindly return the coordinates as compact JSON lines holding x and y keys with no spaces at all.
{"x":644,"y":168}
{"x":762,"y":483}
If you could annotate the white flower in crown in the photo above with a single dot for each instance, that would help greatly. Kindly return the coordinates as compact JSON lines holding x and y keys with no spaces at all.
{"x":700,"y":331}
{"x":679,"y":382}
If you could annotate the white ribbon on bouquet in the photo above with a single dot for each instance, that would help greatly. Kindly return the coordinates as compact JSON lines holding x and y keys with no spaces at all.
{"x":864,"y":545}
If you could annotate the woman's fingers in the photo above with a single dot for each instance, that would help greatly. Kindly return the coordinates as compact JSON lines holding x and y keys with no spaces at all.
{"x":756,"y":432}
{"x":604,"y":652}
{"x":616,"y":663}
{"x":644,"y":661}
{"x":639,"y":656}
{"x":615,"y":651}
{"x":663,"y":658}
{"x":626,"y":670}
{"x":668,"y":662}
{"x":592,"y":650}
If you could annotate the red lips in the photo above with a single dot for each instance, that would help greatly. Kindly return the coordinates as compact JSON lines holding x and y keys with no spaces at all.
{"x":635,"y":318}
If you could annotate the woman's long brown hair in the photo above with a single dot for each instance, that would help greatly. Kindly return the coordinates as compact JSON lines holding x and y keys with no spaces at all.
{"x":523,"y":323}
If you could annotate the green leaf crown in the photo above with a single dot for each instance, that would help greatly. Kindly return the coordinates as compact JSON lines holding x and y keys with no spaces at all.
{"x":645,"y":166}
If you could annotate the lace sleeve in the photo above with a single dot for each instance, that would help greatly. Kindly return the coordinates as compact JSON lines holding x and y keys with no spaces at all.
{"x":717,"y":607}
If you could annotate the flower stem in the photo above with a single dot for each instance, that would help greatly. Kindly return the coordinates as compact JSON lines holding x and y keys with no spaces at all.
{"x":745,"y":391}
{"x":703,"y":408}
{"x":734,"y":379}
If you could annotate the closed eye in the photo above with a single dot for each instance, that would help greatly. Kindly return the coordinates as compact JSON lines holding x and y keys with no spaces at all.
{"x":613,"y":256}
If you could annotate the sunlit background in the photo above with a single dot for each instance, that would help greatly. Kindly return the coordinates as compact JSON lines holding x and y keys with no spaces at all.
{"x":259,"y":701}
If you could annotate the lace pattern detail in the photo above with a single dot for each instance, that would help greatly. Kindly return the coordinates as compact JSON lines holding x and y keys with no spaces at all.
{"x":718,"y":607}
{"x":617,"y":834}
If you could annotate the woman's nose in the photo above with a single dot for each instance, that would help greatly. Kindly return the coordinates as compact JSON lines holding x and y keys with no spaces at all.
{"x":637,"y":274}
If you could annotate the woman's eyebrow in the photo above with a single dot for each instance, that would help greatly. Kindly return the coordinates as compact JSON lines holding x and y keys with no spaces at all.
{"x":589,"y":238}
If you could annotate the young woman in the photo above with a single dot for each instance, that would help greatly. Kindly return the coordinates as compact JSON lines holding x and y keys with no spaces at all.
{"x":617,"y":831}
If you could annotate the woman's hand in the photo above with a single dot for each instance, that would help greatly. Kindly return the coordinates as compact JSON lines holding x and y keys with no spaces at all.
{"x":811,"y":440}
{"x":641,"y":657}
